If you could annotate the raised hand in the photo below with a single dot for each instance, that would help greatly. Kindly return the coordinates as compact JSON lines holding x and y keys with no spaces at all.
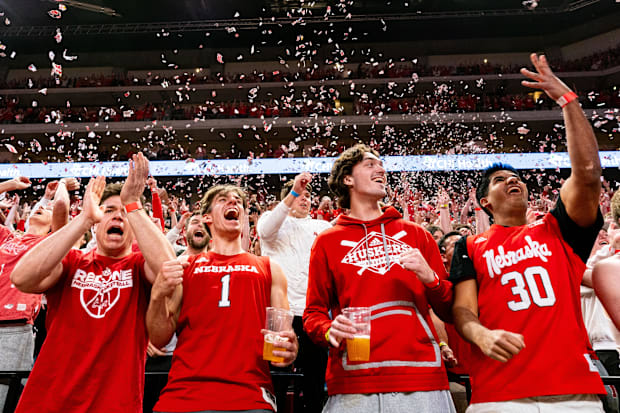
{"x":92,"y":196}
{"x":544,"y":78}
{"x":136,"y":179}
{"x":301,"y":180}
{"x":20,"y":182}
{"x":72,"y":184}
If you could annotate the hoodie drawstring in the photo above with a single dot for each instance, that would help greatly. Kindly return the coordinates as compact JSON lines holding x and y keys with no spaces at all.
{"x":387,"y":256}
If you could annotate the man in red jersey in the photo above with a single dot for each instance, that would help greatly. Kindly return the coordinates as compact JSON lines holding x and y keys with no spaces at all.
{"x":517,"y":285}
{"x":374,"y":258}
{"x":216,"y":303}
{"x":93,"y":357}
{"x":17,"y":309}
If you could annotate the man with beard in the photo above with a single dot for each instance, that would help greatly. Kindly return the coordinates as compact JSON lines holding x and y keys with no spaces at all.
{"x":93,"y":357}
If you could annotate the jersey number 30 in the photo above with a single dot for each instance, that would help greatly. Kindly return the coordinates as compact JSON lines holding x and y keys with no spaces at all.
{"x":519,"y":290}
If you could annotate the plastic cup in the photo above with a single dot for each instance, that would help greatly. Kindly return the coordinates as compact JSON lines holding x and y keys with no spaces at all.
{"x":358,"y":348}
{"x":277,"y":320}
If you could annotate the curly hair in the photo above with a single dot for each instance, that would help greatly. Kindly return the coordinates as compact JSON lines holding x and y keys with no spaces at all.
{"x":213,"y":192}
{"x":342,"y":167}
{"x":615,"y":206}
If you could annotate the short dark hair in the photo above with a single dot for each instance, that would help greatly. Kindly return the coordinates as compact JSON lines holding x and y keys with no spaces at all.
{"x":434,"y":228}
{"x":442,"y":242}
{"x":288,"y":187}
{"x":111,"y":190}
{"x":482,"y":190}
{"x":342,"y":167}
{"x":207,"y":200}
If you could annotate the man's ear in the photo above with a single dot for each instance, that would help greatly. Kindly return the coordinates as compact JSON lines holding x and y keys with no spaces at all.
{"x":207,"y":219}
{"x":484,"y":203}
{"x":348,"y":180}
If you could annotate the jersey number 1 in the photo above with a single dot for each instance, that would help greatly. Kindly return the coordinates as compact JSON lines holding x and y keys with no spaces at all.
{"x":530,"y":278}
{"x":224,"y":301}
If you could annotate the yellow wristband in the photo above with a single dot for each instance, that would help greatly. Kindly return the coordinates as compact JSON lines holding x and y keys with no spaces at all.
{"x":442,"y":344}
{"x":327,"y":334}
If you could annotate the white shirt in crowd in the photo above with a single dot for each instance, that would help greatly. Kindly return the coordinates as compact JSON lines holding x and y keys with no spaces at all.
{"x":288,"y":240}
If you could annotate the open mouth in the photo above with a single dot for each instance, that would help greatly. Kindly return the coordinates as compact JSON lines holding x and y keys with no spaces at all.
{"x":379,"y":179}
{"x":115,"y":230}
{"x":199,"y":234}
{"x":514,"y":190}
{"x":231,"y":214}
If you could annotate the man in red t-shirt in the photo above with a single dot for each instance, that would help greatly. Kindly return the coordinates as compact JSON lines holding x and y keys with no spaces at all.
{"x":93,"y":357}
{"x":517,"y":285}
{"x":18,"y":310}
{"x":374,"y":258}
{"x":216,"y":302}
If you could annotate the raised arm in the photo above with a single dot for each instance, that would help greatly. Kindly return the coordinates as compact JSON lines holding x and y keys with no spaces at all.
{"x":153,"y":244}
{"x":269,"y":224}
{"x":60,"y":212}
{"x":581,"y":191}
{"x":443,"y":199}
{"x":41,"y":267}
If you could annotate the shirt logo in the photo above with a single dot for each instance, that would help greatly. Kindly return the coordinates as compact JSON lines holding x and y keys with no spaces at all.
{"x":504,"y":259}
{"x":14,"y":246}
{"x":100,"y":292}
{"x":374,"y":253}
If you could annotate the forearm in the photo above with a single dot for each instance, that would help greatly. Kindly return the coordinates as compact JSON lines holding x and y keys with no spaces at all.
{"x":467,"y":324}
{"x":153,"y":244}
{"x":60,"y":213}
{"x":173,"y":235}
{"x":465,"y":212}
{"x":444,"y":219}
{"x":482,"y":221}
{"x":158,"y":211}
{"x":7,"y":186}
{"x":47,"y":255}
{"x":582,"y":146}
{"x":10,"y":218}
{"x":269,"y":224}
{"x":160,"y":323}
{"x":440,"y":298}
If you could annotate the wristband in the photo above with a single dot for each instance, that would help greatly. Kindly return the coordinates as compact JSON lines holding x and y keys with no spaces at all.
{"x":443,"y":206}
{"x":295,"y":194}
{"x":443,"y":344}
{"x":133,"y":206}
{"x":477,"y":209}
{"x":566,"y":99}
{"x":327,"y":334}
{"x":434,"y":283}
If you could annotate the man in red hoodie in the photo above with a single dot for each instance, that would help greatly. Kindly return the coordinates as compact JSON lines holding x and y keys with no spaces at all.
{"x":373,"y":258}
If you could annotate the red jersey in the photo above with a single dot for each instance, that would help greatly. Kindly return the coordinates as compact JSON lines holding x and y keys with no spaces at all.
{"x":218,"y":362}
{"x":355,"y":264}
{"x":528,"y":283}
{"x":94,"y":354}
{"x":15,"y":305}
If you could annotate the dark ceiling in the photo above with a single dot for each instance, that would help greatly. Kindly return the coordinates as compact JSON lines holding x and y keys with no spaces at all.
{"x":185,"y":24}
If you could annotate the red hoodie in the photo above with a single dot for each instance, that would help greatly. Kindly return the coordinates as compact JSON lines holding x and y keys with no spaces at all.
{"x":355,"y":264}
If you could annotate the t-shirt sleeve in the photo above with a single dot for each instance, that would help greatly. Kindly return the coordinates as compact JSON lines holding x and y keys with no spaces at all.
{"x":462,"y":267}
{"x":579,"y":238}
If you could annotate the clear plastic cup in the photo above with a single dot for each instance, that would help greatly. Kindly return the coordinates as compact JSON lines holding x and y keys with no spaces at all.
{"x":277,"y":320}
{"x":358,"y":348}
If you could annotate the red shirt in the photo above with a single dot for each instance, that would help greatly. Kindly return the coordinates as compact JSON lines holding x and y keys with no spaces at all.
{"x":15,"y":305}
{"x":94,"y":354}
{"x":218,"y":362}
{"x":355,"y":264}
{"x":528,"y":283}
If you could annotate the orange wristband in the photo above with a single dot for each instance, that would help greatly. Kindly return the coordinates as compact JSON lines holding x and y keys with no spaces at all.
{"x":434,"y":283}
{"x":566,"y":99}
{"x":134,"y":206}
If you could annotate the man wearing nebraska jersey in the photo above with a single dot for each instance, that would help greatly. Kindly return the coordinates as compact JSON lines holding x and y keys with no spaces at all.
{"x":216,"y":303}
{"x":93,"y":357}
{"x":517,"y":285}
{"x":18,"y":310}
{"x":373,"y":258}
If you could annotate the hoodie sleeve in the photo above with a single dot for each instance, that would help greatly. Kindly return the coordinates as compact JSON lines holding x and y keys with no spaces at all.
{"x":439,"y":297}
{"x":319,"y":295}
